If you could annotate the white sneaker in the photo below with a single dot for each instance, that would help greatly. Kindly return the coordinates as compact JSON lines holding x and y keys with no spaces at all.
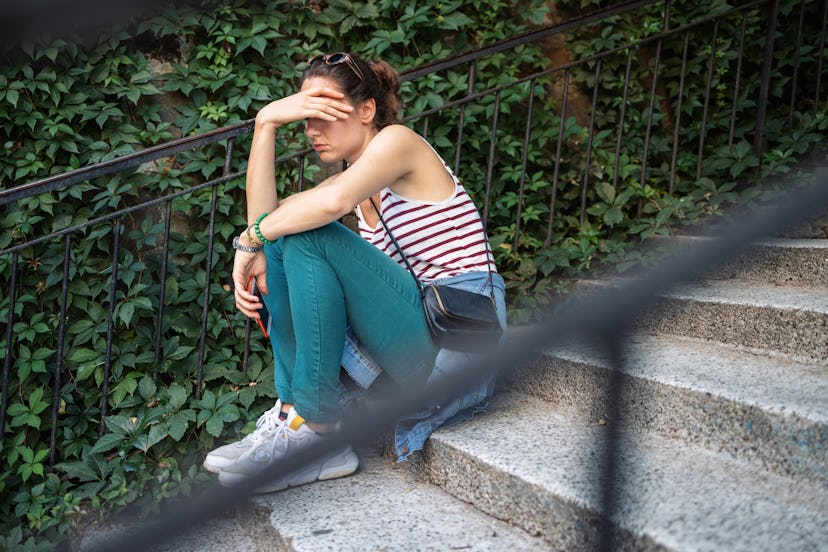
{"x":292,"y":435}
{"x":266,"y":427}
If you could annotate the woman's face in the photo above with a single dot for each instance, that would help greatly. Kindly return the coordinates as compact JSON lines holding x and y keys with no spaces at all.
{"x":336,"y":140}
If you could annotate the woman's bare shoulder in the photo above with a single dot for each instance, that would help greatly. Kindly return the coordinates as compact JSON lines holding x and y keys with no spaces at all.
{"x":401,"y":135}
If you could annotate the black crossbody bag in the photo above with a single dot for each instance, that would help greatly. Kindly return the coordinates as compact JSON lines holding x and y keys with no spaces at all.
{"x":457,"y":319}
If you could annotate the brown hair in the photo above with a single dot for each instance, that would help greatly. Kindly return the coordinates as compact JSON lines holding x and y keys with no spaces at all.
{"x":379,"y":81}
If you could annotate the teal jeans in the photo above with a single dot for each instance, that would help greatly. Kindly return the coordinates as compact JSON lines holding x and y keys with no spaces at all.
{"x":320,"y":283}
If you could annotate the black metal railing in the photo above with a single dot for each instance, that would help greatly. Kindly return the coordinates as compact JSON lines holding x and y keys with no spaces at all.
{"x":666,"y":96}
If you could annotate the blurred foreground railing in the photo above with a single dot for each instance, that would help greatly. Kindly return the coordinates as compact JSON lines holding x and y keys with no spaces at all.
{"x":601,"y":319}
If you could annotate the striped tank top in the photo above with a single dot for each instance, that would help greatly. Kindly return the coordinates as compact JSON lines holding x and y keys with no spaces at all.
{"x":440,"y":239}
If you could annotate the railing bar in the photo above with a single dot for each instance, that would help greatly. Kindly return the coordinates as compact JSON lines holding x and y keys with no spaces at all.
{"x":118,"y":164}
{"x":462,"y":120}
{"x":764,"y":86}
{"x":531,"y":36}
{"x":110,"y":325}
{"x":526,"y":139}
{"x":653,"y":89}
{"x":621,"y":118}
{"x":4,"y":392}
{"x":706,"y":106}
{"x":162,"y":292}
{"x":590,"y":136}
{"x":490,"y":162}
{"x":679,"y":103}
{"x":821,"y":49}
{"x":556,"y":170}
{"x":208,"y":270}
{"x":64,"y":299}
{"x":120,"y":213}
{"x":738,"y":82}
{"x":797,"y":60}
{"x":425,"y":125}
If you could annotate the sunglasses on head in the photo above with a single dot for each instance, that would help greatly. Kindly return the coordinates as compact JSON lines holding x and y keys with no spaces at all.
{"x":337,"y":58}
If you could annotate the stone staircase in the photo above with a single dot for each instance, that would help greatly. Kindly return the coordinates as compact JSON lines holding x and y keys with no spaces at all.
{"x":722,"y":440}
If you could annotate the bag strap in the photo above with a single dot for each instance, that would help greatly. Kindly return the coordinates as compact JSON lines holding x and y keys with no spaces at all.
{"x":397,"y":245}
{"x":489,"y":256}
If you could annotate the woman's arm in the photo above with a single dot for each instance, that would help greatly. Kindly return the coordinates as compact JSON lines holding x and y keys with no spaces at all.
{"x":396,"y":157}
{"x":318,"y":102}
{"x":324,"y":103}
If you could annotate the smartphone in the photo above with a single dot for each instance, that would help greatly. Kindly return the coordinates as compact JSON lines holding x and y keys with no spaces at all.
{"x":264,"y":319}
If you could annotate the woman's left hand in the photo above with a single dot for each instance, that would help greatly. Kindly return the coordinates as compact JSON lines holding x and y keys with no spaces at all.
{"x":245,"y":266}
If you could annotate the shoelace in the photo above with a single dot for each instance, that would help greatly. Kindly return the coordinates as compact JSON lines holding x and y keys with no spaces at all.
{"x":280,"y":438}
{"x":266,"y":425}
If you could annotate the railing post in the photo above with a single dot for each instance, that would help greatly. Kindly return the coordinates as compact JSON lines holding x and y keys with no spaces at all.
{"x":110,"y":327}
{"x":4,"y":398}
{"x":162,"y":292}
{"x":490,"y":162}
{"x":590,"y":136}
{"x":524,"y":159}
{"x":64,"y":299}
{"x":461,"y":123}
{"x":764,"y":84}
{"x":556,"y":171}
{"x":821,"y":49}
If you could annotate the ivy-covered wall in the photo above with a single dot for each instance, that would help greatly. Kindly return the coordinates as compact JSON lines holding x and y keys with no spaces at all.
{"x":69,"y":103}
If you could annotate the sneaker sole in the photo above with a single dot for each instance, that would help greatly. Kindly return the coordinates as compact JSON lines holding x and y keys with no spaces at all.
{"x":345,"y":466}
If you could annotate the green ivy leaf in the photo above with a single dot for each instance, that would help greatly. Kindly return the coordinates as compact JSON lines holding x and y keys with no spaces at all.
{"x":613,"y":216}
{"x":146,"y":388}
{"x":107,"y":442}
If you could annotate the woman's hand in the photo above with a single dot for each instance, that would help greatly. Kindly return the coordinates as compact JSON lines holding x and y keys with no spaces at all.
{"x":321,"y":102}
{"x":245,"y":266}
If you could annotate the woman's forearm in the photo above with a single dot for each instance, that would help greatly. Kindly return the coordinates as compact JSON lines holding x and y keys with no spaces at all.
{"x":261,"y":172}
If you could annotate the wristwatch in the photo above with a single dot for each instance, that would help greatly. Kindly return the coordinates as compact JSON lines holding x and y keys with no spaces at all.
{"x":239,"y":246}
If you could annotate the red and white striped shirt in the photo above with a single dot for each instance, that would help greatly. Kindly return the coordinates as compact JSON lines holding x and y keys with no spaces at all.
{"x":439,"y":239}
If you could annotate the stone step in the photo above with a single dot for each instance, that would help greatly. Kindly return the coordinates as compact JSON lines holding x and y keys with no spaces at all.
{"x":229,"y":532}
{"x":789,"y":320}
{"x":541,"y":469}
{"x":784,"y":262}
{"x":384,"y":507}
{"x":769,"y":410}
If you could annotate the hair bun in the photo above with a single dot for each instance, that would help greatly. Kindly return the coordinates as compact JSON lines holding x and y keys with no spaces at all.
{"x":389,"y":81}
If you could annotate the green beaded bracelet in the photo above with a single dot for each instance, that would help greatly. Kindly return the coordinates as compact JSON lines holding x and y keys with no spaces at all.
{"x":262,"y":239}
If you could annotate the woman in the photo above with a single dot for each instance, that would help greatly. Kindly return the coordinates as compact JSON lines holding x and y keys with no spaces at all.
{"x":342,"y":299}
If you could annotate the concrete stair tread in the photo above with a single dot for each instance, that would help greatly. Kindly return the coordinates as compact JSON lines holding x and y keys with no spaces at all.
{"x":771,"y":382}
{"x":791,"y":243}
{"x":224,"y":533}
{"x":673,"y":494}
{"x":384,"y":507}
{"x":738,"y":292}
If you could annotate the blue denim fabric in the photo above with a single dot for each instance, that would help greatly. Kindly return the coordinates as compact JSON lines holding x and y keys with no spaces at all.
{"x":411,"y":433}
{"x":358,"y":363}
